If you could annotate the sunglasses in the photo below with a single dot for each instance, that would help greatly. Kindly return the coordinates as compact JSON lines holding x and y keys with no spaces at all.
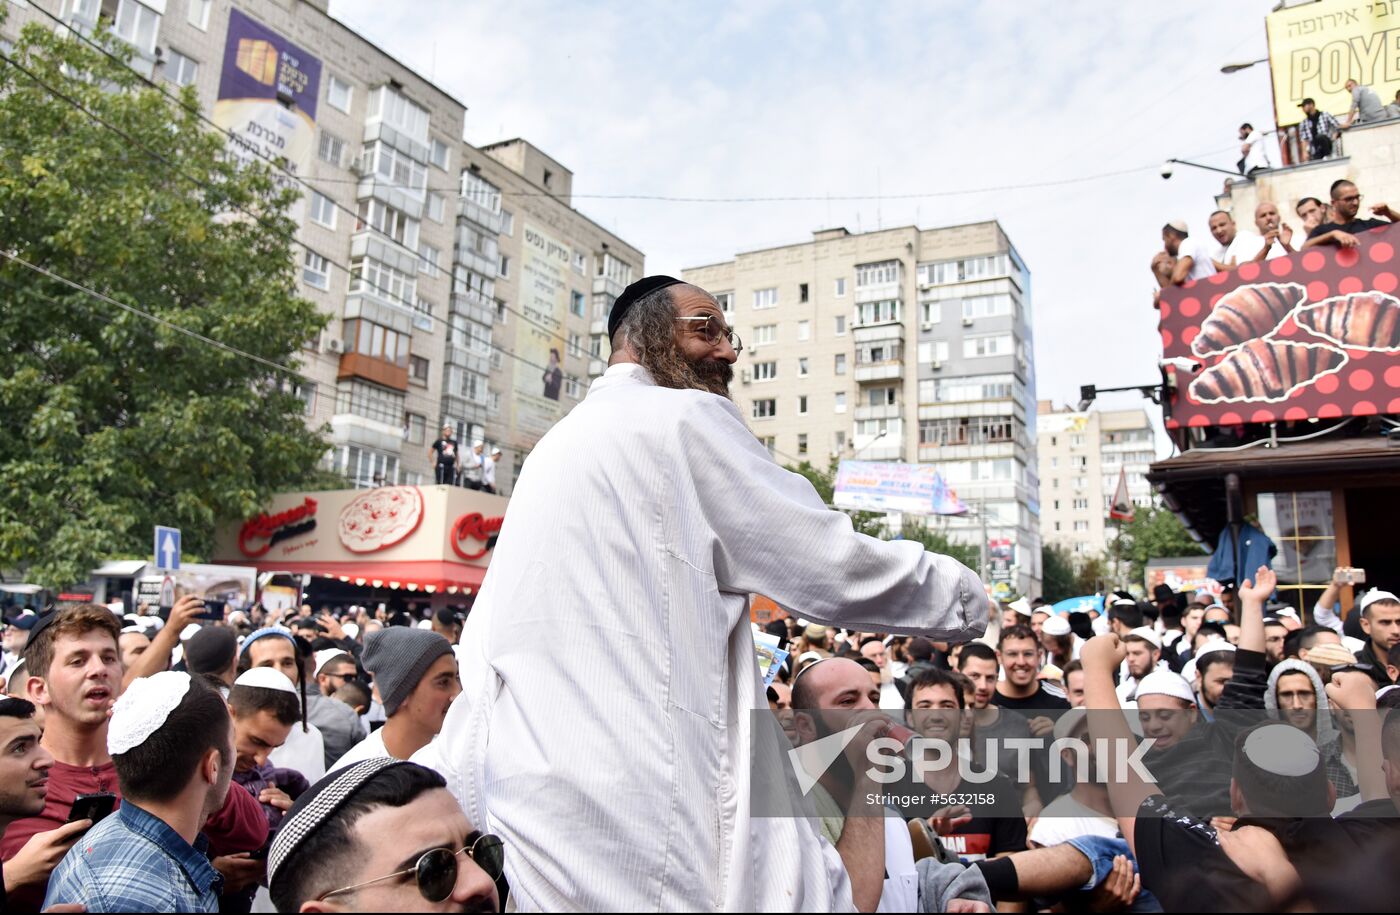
{"x":436,"y":870}
{"x":713,"y":331}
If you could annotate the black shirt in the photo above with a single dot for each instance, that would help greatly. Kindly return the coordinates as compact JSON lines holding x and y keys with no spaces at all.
{"x":1182,"y":863}
{"x":446,"y":449}
{"x":1042,"y":700}
{"x":1355,"y":227}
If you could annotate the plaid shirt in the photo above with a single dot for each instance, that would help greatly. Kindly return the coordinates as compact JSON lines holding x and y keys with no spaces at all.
{"x":1325,"y":122}
{"x":134,"y":862}
{"x":1337,"y":772}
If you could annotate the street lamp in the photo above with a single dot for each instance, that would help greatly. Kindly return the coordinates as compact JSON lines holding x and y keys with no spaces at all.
{"x":1167,"y":168}
{"x":1237,"y":66}
{"x":884,"y":430}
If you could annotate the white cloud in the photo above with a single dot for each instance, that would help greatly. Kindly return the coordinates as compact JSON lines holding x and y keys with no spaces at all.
{"x":841,"y":98}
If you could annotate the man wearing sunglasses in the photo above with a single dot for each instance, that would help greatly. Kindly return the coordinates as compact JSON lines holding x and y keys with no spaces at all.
{"x":1346,"y":204}
{"x":382,"y":836}
{"x":640,"y":525}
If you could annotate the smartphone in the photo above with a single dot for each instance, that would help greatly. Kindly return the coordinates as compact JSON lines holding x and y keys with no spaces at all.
{"x":259,"y":854}
{"x":213,"y":609}
{"x":1348,"y":576}
{"x":95,"y":807}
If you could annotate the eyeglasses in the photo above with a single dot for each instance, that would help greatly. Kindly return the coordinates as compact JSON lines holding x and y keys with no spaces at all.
{"x":713,"y":332}
{"x":436,"y":871}
{"x":1354,"y":198}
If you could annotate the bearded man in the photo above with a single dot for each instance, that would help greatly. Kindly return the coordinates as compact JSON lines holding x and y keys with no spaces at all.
{"x":639,"y":526}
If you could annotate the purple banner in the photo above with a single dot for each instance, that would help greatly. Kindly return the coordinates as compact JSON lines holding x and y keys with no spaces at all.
{"x":261,"y":64}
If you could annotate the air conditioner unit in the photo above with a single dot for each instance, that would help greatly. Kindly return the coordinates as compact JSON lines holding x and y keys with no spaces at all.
{"x":357,"y":165}
{"x":745,"y":376}
{"x":936,"y":364}
{"x":927,"y":325}
{"x":967,"y":322}
{"x":335,"y":345}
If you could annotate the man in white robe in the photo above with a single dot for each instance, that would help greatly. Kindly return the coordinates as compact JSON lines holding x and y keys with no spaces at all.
{"x":604,"y":730}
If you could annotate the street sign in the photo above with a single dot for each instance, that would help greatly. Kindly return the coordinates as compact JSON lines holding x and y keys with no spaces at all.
{"x":167,"y":548}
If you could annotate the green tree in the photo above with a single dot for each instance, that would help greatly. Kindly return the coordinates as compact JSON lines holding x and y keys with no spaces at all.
{"x":1058,"y":577}
{"x":1091,"y":574}
{"x":824,"y":481}
{"x":1154,"y":533}
{"x":938,"y":542}
{"x":111,"y":422}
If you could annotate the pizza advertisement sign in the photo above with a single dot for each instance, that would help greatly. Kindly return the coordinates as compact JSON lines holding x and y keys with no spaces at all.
{"x":1313,"y":335}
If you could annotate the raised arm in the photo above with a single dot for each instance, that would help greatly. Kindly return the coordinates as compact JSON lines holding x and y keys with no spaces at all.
{"x":157,"y":658}
{"x":1127,"y":790}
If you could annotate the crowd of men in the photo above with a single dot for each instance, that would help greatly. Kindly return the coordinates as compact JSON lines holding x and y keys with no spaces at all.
{"x":474,"y":468}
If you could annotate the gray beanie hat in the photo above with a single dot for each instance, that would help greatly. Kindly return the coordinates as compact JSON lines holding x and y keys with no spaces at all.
{"x":399,"y":657}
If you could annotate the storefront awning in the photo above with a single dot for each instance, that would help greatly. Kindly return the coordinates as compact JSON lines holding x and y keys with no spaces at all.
{"x":425,"y":576}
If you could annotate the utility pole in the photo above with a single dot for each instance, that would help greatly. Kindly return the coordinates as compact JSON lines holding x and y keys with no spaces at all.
{"x":982,"y":541}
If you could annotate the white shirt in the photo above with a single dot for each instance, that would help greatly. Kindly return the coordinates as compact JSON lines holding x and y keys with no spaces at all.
{"x":1243,"y":249}
{"x":488,"y":471}
{"x":1064,"y":818}
{"x":1258,"y":155}
{"x":372,"y":747}
{"x":901,"y":889}
{"x":1200,"y":254}
{"x":304,"y":751}
{"x":615,"y":756}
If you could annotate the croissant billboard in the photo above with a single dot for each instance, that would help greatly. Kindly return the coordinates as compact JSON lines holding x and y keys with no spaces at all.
{"x":1314,"y":335}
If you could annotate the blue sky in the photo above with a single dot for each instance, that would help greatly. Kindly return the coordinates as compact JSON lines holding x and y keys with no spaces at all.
{"x":768,"y":98}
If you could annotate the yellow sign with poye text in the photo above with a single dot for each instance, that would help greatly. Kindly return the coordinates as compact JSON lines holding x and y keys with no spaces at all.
{"x":1315,"y":48}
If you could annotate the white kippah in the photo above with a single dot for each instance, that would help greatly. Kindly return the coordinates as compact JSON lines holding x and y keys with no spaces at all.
{"x":1166,"y":683}
{"x":323,"y":657}
{"x":1283,"y":750}
{"x":189,"y":631}
{"x":1055,"y":625}
{"x":352,"y":630}
{"x":265,"y":678}
{"x":1148,"y":635}
{"x":1021,"y":606}
{"x":143,"y":708}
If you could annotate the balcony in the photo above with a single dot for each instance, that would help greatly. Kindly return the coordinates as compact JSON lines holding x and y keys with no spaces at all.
{"x":880,"y":452}
{"x":874,"y":333}
{"x":479,"y":215}
{"x":598,"y":328}
{"x":355,"y":365}
{"x":597,"y":367}
{"x":883,"y":411}
{"x":477,"y":262}
{"x":878,"y":293}
{"x":471,"y":361}
{"x":607,"y":285}
{"x":880,"y":371}
{"x":472,"y":305}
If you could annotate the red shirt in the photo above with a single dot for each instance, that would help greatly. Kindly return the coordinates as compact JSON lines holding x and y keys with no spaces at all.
{"x":238,"y":827}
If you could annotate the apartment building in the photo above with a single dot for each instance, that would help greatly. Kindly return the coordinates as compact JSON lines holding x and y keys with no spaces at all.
{"x":904,"y":344}
{"x":1082,"y":455}
{"x":460,"y":281}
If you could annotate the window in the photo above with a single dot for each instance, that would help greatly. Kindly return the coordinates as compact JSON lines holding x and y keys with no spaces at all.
{"x":377,"y":278}
{"x":418,"y":369}
{"x":137,"y":25}
{"x":1057,"y":505}
{"x":881,"y":397}
{"x":438,"y":154}
{"x":1054,"y":463}
{"x":840,"y":325}
{"x":726,"y":301}
{"x":881,"y":312}
{"x":338,"y":94}
{"x":1057,"y":525}
{"x":494,"y":401}
{"x":1081,"y":504}
{"x":180,"y":69}
{"x":322,"y":210}
{"x":572,"y":387}
{"x":481,"y":192}
{"x":765,"y":409}
{"x":429,"y":260}
{"x":802,"y":367}
{"x":575,"y":345}
{"x":501,"y":312}
{"x":595,"y":345}
{"x":198,"y":14}
{"x":972,"y":268}
{"x":804,"y":331}
{"x":396,"y":168}
{"x":467,"y":385}
{"x":838,"y":441}
{"x":576,"y":303}
{"x":840,"y":286}
{"x":931,"y":312}
{"x":966,"y":430}
{"x":407,"y":117}
{"x":316,"y":270}
{"x":384,"y":219}
{"x":971,"y":387}
{"x":765,"y":371}
{"x":933,"y":351}
{"x":1076,"y":440}
{"x":840,"y":363}
{"x":765,"y":298}
{"x":1304,"y":527}
{"x":331,"y":149}
{"x":376,"y":341}
{"x":507,"y":222}
{"x":415,"y":428}
{"x":988,"y":345}
{"x":365,"y":469}
{"x":615,"y":269}
{"x":840,"y":401}
{"x":765,"y":334}
{"x":802,"y":292}
{"x":548,"y":176}
{"x":580,"y":263}
{"x":1081,"y":525}
{"x":1080,"y":461}
{"x":1055,"y":483}
{"x":877,"y":274}
{"x":986,"y":306}
{"x":802,"y":443}
{"x":802,"y":405}
{"x":504,"y":270}
{"x":769,"y":442}
{"x":437,"y":204}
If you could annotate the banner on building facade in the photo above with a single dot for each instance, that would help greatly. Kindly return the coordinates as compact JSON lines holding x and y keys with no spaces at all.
{"x":268,"y":88}
{"x":889,"y":486}
{"x":544,"y":389}
{"x":1315,"y":335}
{"x":1314,"y":48}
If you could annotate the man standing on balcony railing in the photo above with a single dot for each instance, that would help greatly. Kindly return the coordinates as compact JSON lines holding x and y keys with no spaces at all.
{"x":1317,"y":131}
{"x":1366,"y":106}
{"x":1346,"y":201}
{"x":444,"y":454}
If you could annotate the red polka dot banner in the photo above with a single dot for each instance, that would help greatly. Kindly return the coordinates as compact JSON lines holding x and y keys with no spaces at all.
{"x":1312,"y":335}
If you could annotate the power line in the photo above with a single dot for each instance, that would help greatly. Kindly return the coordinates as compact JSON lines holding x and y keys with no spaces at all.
{"x":198,"y":112}
{"x":261,"y":220}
